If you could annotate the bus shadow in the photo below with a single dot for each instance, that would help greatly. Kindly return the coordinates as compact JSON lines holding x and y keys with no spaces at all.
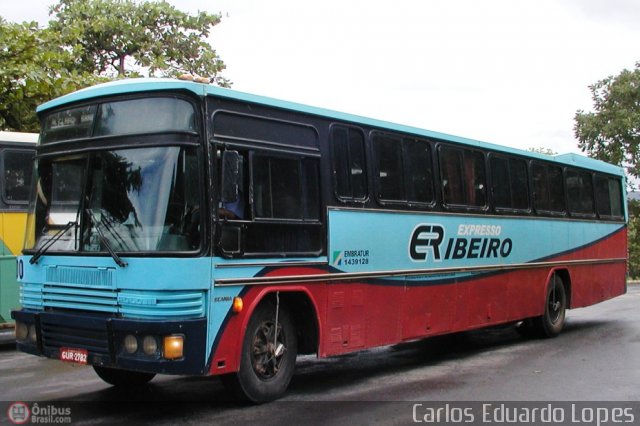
{"x":323,"y":375}
{"x":165,"y":400}
{"x":171,"y":399}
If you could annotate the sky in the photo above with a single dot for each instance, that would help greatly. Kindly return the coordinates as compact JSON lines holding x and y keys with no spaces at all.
{"x":511,"y":72}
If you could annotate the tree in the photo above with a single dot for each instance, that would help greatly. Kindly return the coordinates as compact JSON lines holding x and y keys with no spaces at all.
{"x":118,"y":38}
{"x":90,"y":41}
{"x":33,"y":69}
{"x":633,"y":234}
{"x":612,"y":132}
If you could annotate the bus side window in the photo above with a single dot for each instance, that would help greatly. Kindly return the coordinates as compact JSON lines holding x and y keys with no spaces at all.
{"x":232,"y":204}
{"x":548,"y":186}
{"x":463,"y":177}
{"x":404,"y":173}
{"x":285,"y":208}
{"x":580,"y":192}
{"x":608,"y":197}
{"x":284,"y":188}
{"x":519,"y":183}
{"x":277,"y":188}
{"x":349,"y":172}
{"x":500,"y":187}
{"x":452,"y":175}
{"x":390,"y":177}
{"x":418,"y":171}
{"x":509,"y":186}
{"x":18,"y":167}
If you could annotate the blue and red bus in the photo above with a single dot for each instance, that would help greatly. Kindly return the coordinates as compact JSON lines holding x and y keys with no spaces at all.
{"x":182,"y":228}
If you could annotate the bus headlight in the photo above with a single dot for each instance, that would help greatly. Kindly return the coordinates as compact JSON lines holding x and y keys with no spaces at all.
{"x":130,"y":344}
{"x":32,"y":333}
{"x":173,"y":346}
{"x":149,"y":345}
{"x":22,"y":331}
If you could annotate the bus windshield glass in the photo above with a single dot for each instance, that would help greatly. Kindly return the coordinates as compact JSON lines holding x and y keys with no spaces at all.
{"x":129,"y":200}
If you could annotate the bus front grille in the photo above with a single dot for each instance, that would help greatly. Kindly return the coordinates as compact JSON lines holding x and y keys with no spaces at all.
{"x":61,"y":331}
{"x":94,"y":290}
{"x":148,"y":304}
{"x":94,"y":300}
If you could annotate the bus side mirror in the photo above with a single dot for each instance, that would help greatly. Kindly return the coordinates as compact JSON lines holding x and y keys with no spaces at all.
{"x":231,"y":176}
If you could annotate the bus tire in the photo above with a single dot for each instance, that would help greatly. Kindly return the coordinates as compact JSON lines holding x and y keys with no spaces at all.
{"x":550,"y":324}
{"x":265,"y":368}
{"x":123,"y":378}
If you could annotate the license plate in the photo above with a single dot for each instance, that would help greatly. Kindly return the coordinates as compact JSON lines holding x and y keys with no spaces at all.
{"x":78,"y":356}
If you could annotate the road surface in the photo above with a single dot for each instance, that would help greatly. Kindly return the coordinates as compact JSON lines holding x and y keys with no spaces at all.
{"x":596,"y":358}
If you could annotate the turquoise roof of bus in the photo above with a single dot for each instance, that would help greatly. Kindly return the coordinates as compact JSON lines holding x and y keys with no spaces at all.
{"x":161,"y":84}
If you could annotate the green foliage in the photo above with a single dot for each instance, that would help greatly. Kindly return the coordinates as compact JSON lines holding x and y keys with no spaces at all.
{"x":122,"y":38}
{"x":612,"y":132}
{"x":33,"y":69}
{"x":91,"y":41}
{"x":634,"y":238}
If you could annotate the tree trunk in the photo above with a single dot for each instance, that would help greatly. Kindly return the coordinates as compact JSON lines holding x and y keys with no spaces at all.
{"x":121,"y":69}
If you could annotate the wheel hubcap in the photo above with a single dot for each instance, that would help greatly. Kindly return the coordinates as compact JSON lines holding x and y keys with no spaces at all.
{"x":555,"y":305}
{"x":269,"y":348}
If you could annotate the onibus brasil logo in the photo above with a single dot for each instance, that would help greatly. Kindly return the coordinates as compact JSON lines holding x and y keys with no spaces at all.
{"x":20,"y":413}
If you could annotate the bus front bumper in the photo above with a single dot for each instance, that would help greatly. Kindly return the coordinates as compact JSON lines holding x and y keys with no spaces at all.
{"x":114,"y":342}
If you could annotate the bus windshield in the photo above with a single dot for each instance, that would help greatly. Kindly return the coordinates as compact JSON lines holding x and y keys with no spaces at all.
{"x":129,"y":200}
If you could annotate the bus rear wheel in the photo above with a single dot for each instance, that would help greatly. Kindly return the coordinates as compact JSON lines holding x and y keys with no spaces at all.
{"x":550,"y":324}
{"x":268,"y":359}
{"x":123,"y":378}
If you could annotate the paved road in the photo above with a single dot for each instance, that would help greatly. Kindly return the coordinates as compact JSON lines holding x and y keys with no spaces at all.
{"x":597,"y":358}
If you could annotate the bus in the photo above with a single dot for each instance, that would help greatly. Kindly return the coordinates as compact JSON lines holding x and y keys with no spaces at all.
{"x":181,"y":228}
{"x":16,"y":167}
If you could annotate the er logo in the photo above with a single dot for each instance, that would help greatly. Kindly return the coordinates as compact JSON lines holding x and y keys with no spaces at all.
{"x":424,"y":239}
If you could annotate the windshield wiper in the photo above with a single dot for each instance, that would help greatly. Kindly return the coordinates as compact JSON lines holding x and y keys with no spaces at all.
{"x":108,"y":224}
{"x":105,"y":241}
{"x":38,"y":254}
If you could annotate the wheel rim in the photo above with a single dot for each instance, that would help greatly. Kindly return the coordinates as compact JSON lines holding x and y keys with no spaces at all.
{"x":268,"y":351}
{"x":555,"y":304}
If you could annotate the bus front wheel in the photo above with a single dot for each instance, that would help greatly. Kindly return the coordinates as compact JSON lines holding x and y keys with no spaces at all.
{"x":268,"y":359}
{"x":123,"y":378}
{"x":550,"y":324}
